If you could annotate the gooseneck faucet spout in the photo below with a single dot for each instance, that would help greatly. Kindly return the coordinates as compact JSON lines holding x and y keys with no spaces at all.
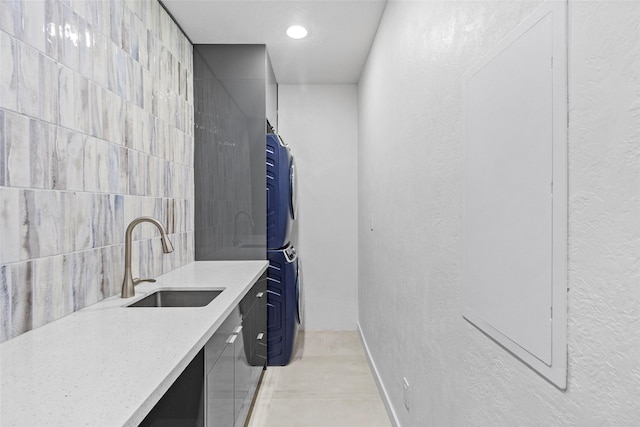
{"x":129,"y":283}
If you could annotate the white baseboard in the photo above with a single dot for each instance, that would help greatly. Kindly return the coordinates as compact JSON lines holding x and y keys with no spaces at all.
{"x":376,"y":375}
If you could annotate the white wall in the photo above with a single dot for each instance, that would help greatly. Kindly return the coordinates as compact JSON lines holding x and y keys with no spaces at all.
{"x":319,"y":122}
{"x":410,"y":170}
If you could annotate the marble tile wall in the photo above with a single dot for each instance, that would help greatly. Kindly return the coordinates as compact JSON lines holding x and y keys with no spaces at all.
{"x":96,"y":129}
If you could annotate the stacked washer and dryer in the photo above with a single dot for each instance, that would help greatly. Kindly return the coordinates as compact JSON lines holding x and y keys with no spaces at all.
{"x":284,"y":281}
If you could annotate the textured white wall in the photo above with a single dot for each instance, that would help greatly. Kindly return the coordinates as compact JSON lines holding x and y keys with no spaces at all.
{"x":319,"y":122}
{"x":410,"y":178}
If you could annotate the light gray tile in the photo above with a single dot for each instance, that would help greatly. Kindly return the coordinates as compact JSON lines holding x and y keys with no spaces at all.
{"x":111,"y":61}
{"x":83,"y":220}
{"x":59,"y":159}
{"x":69,"y":43}
{"x":138,"y":90}
{"x":139,"y":123}
{"x":98,"y":220}
{"x":34,"y":24}
{"x":147,"y":91}
{"x":67,"y":225}
{"x":8,"y":73}
{"x":42,"y":285}
{"x":135,"y":37}
{"x":118,"y":114}
{"x":3,"y":167}
{"x":83,"y":111}
{"x":41,"y":218}
{"x":96,"y":107}
{"x":103,"y":17}
{"x":11,"y":18}
{"x":90,"y":173}
{"x":124,"y":171}
{"x":49,"y":90}
{"x":21,"y":298}
{"x":151,"y":134}
{"x":134,"y":172}
{"x":130,"y":81}
{"x":126,"y":30}
{"x":117,"y":9}
{"x":132,"y":208}
{"x":60,"y":289}
{"x":113,"y":116}
{"x":112,"y":270}
{"x":164,"y":146}
{"x":5,"y":303}
{"x":143,"y":178}
{"x":102,"y":164}
{"x":75,"y":160}
{"x":100,"y":49}
{"x":78,"y":6}
{"x":90,"y":13}
{"x":28,"y":80}
{"x":10,"y":226}
{"x":92,"y":280}
{"x":113,"y":168}
{"x":108,"y":217}
{"x":86,"y":48}
{"x":66,"y":102}
{"x":119,"y":225}
{"x":52,"y":21}
{"x":41,"y":154}
{"x":73,"y":271}
{"x":151,"y":53}
{"x":16,"y":131}
{"x":120,"y":62}
{"x":129,"y":125}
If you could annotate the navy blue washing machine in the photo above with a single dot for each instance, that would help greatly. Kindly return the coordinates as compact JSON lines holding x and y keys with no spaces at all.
{"x":284,"y":304}
{"x":281,"y":192}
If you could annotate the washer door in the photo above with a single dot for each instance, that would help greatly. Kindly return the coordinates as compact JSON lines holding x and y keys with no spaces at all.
{"x":299,"y":295}
{"x":293,"y":189}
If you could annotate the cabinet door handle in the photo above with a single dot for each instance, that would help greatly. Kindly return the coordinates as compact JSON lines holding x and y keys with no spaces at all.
{"x":260,"y":336}
{"x":232,"y":339}
{"x":237,"y":330}
{"x":259,"y":294}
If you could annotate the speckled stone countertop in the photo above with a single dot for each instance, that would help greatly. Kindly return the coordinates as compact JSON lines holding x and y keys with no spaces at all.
{"x":108,"y":365}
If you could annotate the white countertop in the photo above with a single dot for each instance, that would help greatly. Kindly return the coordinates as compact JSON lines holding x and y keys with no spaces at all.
{"x":108,"y":365}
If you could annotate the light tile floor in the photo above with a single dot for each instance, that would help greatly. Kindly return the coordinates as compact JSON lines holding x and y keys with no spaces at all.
{"x":328,"y":384}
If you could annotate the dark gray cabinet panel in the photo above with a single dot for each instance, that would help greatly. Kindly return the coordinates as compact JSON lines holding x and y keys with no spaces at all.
{"x":231,"y":365}
{"x":182,"y":404}
{"x":233,"y":84}
{"x":217,"y":388}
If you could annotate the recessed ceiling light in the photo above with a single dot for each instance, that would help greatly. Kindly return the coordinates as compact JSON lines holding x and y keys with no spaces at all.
{"x":297,"y":32}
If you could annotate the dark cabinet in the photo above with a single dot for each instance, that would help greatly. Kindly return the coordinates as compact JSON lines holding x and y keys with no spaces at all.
{"x":234,"y":360}
{"x":218,"y":386}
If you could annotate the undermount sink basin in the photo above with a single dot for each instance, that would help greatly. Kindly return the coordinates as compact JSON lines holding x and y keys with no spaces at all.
{"x":186,"y":298}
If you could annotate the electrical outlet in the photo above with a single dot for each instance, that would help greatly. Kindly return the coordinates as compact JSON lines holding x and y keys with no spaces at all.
{"x":406,"y":393}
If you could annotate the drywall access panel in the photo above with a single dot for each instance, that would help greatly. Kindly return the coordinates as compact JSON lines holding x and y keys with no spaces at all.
{"x":515,"y":212}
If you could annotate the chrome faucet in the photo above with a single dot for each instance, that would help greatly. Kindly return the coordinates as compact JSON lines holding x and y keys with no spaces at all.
{"x":129,"y":282}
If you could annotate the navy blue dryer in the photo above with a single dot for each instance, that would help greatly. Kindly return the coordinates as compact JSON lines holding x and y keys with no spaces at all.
{"x":284,"y":311}
{"x":281,"y":192}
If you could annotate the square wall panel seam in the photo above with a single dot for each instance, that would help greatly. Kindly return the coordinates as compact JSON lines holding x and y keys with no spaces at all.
{"x":515,"y":202}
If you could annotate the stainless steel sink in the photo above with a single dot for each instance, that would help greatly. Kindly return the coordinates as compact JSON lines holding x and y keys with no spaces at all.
{"x":186,"y":298}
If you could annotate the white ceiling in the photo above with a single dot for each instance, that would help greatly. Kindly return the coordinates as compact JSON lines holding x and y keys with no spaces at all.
{"x":340,"y":33}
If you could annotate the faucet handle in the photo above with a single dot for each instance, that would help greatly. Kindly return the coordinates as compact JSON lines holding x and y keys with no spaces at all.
{"x":137,"y":280}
